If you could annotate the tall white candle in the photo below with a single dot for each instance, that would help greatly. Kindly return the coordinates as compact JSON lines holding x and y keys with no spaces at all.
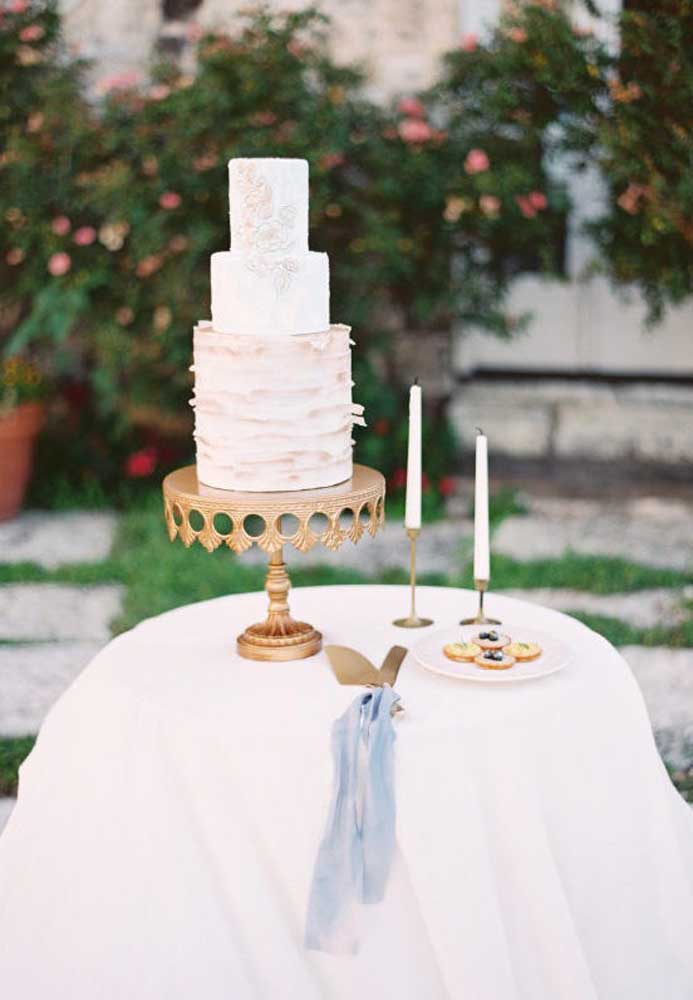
{"x":412,"y":512}
{"x":482,"y":557}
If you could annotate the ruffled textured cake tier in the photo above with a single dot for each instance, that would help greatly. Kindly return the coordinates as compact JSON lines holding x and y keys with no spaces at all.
{"x":273,"y":413}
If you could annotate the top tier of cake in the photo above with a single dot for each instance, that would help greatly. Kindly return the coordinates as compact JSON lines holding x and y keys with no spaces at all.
{"x":269,"y":283}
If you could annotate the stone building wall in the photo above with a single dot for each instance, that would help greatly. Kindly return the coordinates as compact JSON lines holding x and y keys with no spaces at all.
{"x":399,"y":42}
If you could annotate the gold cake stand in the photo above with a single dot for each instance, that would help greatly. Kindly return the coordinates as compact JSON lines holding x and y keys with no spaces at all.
{"x":195,"y":512}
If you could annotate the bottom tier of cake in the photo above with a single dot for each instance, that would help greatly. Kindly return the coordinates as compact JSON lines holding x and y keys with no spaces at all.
{"x":275,"y":413}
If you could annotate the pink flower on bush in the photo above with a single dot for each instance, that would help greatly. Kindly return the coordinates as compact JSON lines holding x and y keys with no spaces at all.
{"x":84,"y":236}
{"x":141,"y":463}
{"x":35,"y":121}
{"x":263,"y":118}
{"x":15,"y":256}
{"x":159,"y":92}
{"x":193,"y":32}
{"x":412,"y":107}
{"x":489,"y":204}
{"x":148,"y":265}
{"x":469,"y":42}
{"x":476,"y":162}
{"x":61,"y":225}
{"x":629,"y":200}
{"x":59,"y":264}
{"x":31,"y":33}
{"x":330,"y":160}
{"x":124,"y":315}
{"x":17,"y":6}
{"x":537,"y":199}
{"x":118,"y":81}
{"x":170,"y":200}
{"x":525,"y":206}
{"x":517,"y":35}
{"x":413,"y":130}
{"x":296,"y":48}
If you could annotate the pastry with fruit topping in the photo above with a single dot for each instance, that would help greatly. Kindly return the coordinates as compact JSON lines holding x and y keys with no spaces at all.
{"x":491,"y":639}
{"x":494,"y":659}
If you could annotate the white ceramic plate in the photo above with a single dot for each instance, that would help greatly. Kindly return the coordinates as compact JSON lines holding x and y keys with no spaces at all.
{"x":429,"y":653}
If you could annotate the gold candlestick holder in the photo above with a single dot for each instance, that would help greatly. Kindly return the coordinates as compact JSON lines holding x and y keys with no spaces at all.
{"x":481,"y":586}
{"x":194,"y":512}
{"x":412,"y":620}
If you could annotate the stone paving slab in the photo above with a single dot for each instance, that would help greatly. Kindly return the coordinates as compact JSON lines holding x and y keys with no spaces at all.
{"x":642,"y":609}
{"x":39,"y":611}
{"x":665,"y":677}
{"x":651,"y":530}
{"x":6,"y":807}
{"x":56,"y":538}
{"x":32,"y":678}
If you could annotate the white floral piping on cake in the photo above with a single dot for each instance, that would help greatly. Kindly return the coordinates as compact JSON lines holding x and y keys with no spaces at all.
{"x":262,"y":231}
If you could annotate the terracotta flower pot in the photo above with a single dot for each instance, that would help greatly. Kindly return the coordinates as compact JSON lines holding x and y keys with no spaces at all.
{"x":18,"y":430}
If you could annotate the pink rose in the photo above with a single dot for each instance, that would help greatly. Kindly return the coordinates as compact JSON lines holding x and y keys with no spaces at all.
{"x":629,"y":200}
{"x":61,"y":225}
{"x":17,"y":6}
{"x":15,"y":256}
{"x":118,"y":81}
{"x":330,"y":160}
{"x":84,"y":236}
{"x":412,"y":107}
{"x":193,"y":32}
{"x":489,"y":204}
{"x":414,"y":130}
{"x":170,"y":200}
{"x":537,"y":199}
{"x":476,"y":162}
{"x":31,"y":33}
{"x":296,"y":48}
{"x":517,"y":35}
{"x":159,"y":92}
{"x":141,"y":463}
{"x":469,"y":42}
{"x":525,"y":206}
{"x":148,"y":266}
{"x":59,"y":264}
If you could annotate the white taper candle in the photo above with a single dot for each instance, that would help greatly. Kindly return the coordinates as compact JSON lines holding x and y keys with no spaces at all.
{"x":482,"y":556}
{"x":412,"y":512}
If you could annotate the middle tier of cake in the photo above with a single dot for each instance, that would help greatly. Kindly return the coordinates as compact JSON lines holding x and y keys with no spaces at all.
{"x":273,"y":413}
{"x":272,"y":295}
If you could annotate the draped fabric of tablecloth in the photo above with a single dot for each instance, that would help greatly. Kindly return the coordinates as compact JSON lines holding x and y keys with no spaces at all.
{"x":170,"y":815}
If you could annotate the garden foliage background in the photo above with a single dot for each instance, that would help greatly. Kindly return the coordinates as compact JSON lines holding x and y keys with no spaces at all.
{"x":113,"y":197}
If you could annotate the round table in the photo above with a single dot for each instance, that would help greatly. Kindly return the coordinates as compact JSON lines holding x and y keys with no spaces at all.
{"x":169,"y":818}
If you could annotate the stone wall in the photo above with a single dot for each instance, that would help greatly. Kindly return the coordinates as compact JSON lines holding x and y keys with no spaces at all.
{"x":399,"y":42}
{"x":561,"y":420}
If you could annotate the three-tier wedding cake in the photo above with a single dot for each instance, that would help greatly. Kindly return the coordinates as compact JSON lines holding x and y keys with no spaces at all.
{"x":272,"y":398}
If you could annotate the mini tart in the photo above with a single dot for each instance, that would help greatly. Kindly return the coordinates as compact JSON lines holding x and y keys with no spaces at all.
{"x":463,"y":652}
{"x":503,"y":664}
{"x":523,"y":650}
{"x":500,"y":643}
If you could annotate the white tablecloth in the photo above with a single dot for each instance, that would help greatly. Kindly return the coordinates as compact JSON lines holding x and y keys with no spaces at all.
{"x":169,"y":817}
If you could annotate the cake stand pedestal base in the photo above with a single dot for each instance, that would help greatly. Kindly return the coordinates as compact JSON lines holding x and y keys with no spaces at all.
{"x":279,"y":637}
{"x":238,"y":520}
